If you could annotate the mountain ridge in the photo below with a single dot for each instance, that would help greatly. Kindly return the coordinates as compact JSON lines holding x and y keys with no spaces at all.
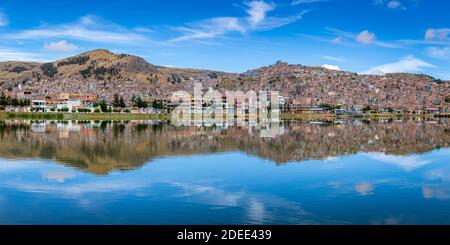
{"x":103,"y":73}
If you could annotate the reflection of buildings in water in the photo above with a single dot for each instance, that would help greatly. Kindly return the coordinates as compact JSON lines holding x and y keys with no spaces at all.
{"x":69,"y":126}
{"x":38,"y":127}
{"x":100,"y":147}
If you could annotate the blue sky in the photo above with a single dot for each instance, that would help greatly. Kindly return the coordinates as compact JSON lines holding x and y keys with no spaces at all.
{"x":365,"y":36}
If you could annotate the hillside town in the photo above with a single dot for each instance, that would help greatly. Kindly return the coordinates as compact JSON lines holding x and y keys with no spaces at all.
{"x":103,"y":82}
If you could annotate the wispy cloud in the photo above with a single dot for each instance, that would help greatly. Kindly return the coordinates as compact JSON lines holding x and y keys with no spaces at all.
{"x":439,"y":52}
{"x":7,"y":54}
{"x":332,"y":58}
{"x":391,"y":4}
{"x":257,"y":11}
{"x":432,"y":36}
{"x":298,"y":2}
{"x":257,"y":19}
{"x":88,"y":28}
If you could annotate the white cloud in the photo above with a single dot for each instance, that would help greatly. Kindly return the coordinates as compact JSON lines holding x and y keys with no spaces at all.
{"x":332,"y":58}
{"x":298,"y":2}
{"x":87,"y":28}
{"x":258,"y":10}
{"x":256,"y":20}
{"x":331,"y":67}
{"x":440,"y":53}
{"x":337,"y":40}
{"x":393,"y":4}
{"x":60,"y":47}
{"x":3,"y":19}
{"x":407,"y":64}
{"x":437,"y":34}
{"x":365,"y":37}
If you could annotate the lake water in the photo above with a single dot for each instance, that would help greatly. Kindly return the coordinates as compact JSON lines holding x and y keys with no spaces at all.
{"x":149,"y":172}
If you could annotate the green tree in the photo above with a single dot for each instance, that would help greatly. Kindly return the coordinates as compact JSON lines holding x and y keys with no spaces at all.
{"x":15,"y":102}
{"x":3,"y":100}
{"x":122,"y":102}
{"x":366,"y":109}
{"x":103,"y":106}
{"x":157,"y":104}
{"x":138,"y":102}
{"x":325,"y":106}
{"x":25,"y":102}
{"x":116,"y":100}
{"x":49,"y":69}
{"x":8,"y":100}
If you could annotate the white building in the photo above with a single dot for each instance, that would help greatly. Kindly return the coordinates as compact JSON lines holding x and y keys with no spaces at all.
{"x":38,"y":105}
{"x":70,"y":104}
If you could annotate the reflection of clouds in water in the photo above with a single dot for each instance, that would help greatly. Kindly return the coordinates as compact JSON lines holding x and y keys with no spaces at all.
{"x":407,"y":163}
{"x":442,"y":174}
{"x":336,"y":184}
{"x":364,"y":189}
{"x":332,"y":159}
{"x":387,"y":221}
{"x":438,"y":182}
{"x":210,"y":195}
{"x":76,"y":189}
{"x":13,"y":165}
{"x":58,"y":176}
{"x":440,"y":193}
{"x":258,"y":208}
{"x":89,"y":192}
{"x":256,"y":211}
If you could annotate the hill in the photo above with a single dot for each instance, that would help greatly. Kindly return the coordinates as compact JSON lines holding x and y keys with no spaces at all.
{"x":102,"y":73}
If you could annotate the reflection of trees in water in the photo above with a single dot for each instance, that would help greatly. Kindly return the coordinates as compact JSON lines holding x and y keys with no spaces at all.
{"x":100,"y":147}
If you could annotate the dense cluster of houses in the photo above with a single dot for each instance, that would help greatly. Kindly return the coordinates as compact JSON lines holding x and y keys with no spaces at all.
{"x":303,"y":89}
{"x":319,"y":90}
{"x":66,"y":102}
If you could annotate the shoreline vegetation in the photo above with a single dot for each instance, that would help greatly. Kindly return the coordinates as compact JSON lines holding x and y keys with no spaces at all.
{"x":165,"y":116}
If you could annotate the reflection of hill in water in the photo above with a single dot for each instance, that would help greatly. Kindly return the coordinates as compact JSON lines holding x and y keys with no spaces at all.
{"x":103,"y":147}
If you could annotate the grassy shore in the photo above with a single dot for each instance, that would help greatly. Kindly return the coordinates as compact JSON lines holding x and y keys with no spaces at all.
{"x":132,"y":116}
{"x":115,"y":116}
{"x":308,"y":116}
{"x":31,"y":115}
{"x":81,"y":116}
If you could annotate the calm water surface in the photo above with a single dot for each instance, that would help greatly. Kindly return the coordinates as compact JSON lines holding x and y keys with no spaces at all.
{"x":148,"y":172}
